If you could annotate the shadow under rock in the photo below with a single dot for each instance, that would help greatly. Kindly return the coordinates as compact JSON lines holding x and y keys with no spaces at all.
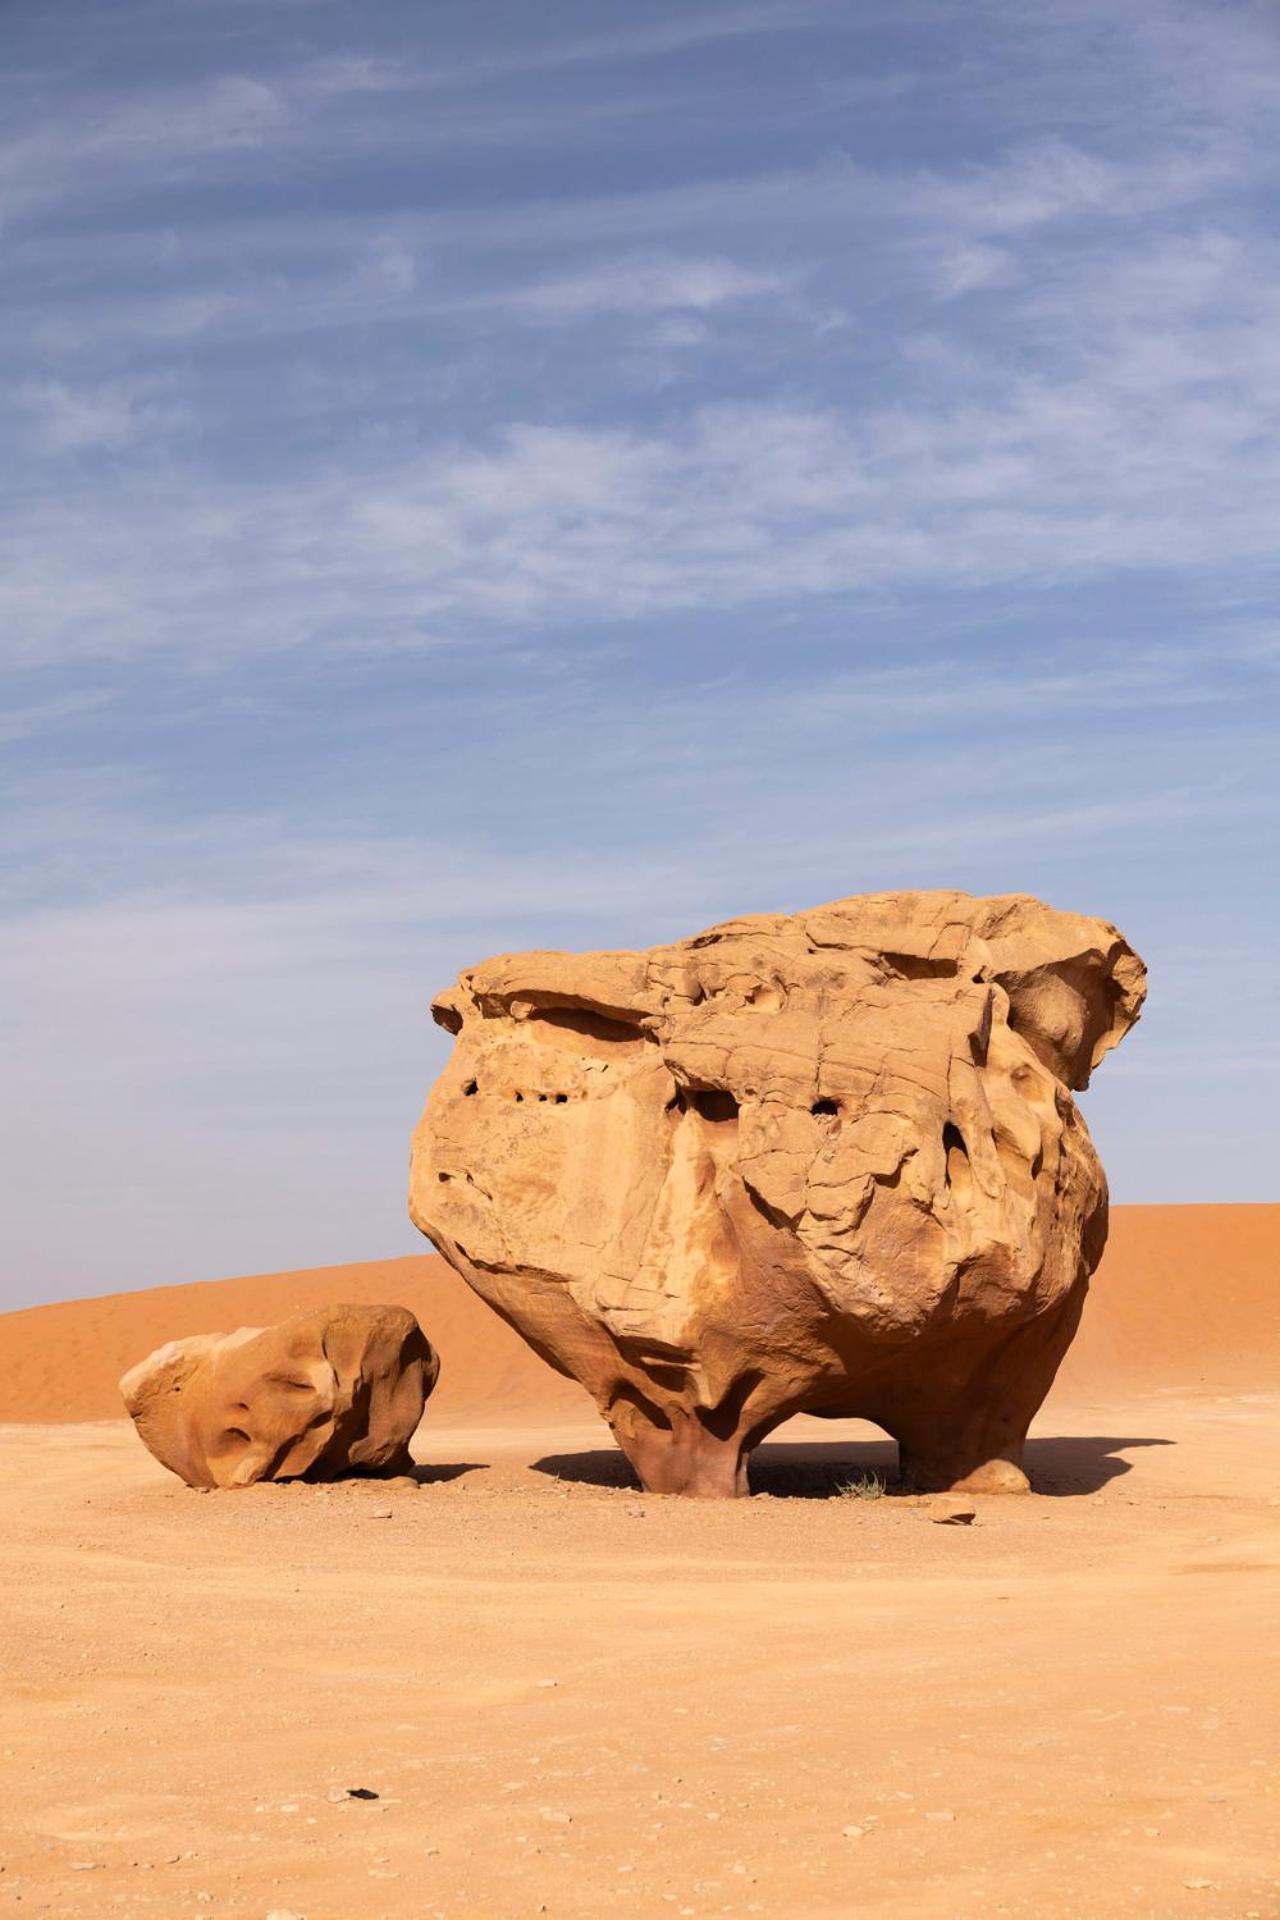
{"x":821,"y":1470}
{"x":427,"y":1476}
{"x":432,"y":1476}
{"x":594,"y":1467}
{"x":1081,"y":1463}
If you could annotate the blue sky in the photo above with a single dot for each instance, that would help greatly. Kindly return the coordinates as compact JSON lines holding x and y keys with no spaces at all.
{"x":483,"y":476}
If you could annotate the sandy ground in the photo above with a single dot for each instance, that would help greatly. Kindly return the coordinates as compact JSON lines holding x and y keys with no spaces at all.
{"x":573,"y":1699}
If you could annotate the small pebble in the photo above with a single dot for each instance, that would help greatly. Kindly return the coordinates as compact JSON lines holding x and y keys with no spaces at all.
{"x":853,"y":1833}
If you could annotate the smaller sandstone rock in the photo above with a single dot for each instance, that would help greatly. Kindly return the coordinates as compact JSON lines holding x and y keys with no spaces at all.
{"x":339,"y":1390}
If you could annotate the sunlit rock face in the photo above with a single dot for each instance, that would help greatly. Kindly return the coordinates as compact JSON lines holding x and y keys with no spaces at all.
{"x":827,"y":1162}
{"x":339,"y":1390}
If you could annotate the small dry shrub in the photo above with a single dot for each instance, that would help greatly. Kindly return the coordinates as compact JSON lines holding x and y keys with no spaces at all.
{"x":867,"y":1486}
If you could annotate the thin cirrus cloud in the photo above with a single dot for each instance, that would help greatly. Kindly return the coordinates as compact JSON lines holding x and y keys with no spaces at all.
{"x":739,"y":505}
{"x":1140,"y":449}
{"x":641,"y":284}
{"x":479,"y":481}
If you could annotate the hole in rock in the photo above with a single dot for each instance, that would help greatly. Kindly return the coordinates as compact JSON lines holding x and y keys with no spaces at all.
{"x":914,"y":966}
{"x":673,"y":1379}
{"x":520,"y":1099}
{"x":470,"y":1088}
{"x":562,"y":1099}
{"x":767,"y":995}
{"x":824,"y":1109}
{"x":722,"y":1421}
{"x":715,"y":1104}
{"x":626,"y":1394}
{"x":953,"y":1143}
{"x":585,"y":1022}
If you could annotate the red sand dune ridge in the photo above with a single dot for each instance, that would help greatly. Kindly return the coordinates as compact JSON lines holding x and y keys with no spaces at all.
{"x":1187,"y":1297}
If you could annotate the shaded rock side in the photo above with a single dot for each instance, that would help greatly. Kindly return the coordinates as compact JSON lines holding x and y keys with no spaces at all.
{"x":827,"y":1162}
{"x":334,"y":1391}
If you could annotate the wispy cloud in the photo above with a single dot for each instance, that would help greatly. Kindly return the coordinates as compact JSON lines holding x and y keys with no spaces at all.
{"x":1136,"y":440}
{"x":648,"y":40}
{"x":74,"y":419}
{"x":178,"y":126}
{"x":642,"y":283}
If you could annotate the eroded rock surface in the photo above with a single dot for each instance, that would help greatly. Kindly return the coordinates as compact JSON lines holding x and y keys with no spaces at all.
{"x":828,"y":1162}
{"x":336,"y":1391}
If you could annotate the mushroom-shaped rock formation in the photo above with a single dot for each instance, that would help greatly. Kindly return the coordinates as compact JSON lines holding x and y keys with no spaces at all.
{"x":339,"y":1390}
{"x":824,"y":1163}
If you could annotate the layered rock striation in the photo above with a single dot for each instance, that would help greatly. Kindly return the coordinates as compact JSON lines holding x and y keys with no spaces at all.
{"x":827,"y":1162}
{"x":336,"y":1391}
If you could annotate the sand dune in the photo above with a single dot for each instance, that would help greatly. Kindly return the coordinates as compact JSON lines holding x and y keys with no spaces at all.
{"x":1186,"y":1298}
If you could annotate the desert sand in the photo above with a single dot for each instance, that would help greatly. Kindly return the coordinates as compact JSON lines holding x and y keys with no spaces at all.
{"x":572,"y":1698}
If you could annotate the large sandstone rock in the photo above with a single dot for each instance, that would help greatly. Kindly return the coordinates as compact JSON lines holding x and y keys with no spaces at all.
{"x":825,"y":1163}
{"x":336,"y":1391}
